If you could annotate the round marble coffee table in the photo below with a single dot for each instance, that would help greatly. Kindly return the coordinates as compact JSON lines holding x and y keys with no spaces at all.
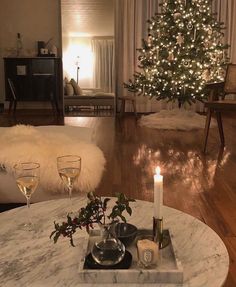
{"x":32,"y":259}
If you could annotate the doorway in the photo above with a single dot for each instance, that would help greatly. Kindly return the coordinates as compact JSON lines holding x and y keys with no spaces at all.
{"x":88,"y":56}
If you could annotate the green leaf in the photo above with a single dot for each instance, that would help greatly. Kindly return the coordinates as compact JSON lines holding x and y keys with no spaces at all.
{"x":122,"y":217}
{"x":57,"y":235}
{"x":71,"y":241}
{"x":105,"y":202}
{"x":129,"y":210}
{"x":52,"y":234}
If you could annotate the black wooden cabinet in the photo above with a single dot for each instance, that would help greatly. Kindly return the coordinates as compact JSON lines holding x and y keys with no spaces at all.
{"x":35,"y":79}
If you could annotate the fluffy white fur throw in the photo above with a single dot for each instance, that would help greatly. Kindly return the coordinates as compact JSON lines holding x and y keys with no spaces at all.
{"x":25,"y":143}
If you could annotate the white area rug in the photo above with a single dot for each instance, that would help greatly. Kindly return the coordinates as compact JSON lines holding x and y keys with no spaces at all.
{"x":176,"y":119}
{"x":26,"y":143}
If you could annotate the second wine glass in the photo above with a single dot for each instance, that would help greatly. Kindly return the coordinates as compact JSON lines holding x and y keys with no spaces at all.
{"x":69,"y":167}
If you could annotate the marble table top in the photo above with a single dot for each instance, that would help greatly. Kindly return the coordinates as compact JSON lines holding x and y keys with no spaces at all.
{"x":32,"y":259}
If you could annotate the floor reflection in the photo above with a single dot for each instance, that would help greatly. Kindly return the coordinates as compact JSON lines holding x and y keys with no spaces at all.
{"x":190,"y":168}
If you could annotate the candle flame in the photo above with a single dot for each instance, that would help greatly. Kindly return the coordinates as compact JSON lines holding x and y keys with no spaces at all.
{"x":158,"y":170}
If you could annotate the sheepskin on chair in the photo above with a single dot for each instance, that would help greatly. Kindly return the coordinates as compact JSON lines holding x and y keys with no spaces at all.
{"x":26,"y":143}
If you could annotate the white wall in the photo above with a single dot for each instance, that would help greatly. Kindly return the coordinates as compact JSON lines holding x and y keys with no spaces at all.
{"x":35,"y":20}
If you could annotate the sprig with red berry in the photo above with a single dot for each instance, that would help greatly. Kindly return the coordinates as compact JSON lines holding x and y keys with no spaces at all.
{"x":93,"y":212}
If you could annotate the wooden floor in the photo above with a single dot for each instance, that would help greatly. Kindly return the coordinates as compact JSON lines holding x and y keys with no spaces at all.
{"x":201,"y":185}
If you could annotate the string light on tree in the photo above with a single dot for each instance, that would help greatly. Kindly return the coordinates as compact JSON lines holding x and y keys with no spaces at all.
{"x":184,"y":51}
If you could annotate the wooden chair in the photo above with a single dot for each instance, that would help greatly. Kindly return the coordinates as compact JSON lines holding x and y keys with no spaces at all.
{"x":13,"y":98}
{"x":214,"y":105}
{"x":125,"y":99}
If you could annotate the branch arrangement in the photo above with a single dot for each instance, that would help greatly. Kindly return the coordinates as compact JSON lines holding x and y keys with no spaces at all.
{"x":93,"y":213}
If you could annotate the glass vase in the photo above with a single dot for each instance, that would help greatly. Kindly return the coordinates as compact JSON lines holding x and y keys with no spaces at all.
{"x":108,"y":250}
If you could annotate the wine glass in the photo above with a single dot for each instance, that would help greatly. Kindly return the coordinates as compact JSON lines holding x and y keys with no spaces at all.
{"x":69,"y":167}
{"x":27,"y":179}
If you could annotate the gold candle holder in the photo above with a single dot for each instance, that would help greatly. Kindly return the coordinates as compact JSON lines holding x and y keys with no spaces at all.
{"x":158,"y":234}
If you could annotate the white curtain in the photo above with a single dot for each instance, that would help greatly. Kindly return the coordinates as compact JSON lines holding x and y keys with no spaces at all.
{"x":226,"y":12}
{"x":131,"y":27}
{"x":104,"y":64}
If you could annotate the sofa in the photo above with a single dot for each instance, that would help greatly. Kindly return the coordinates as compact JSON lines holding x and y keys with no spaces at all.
{"x":74,"y":95}
{"x":92,"y":98}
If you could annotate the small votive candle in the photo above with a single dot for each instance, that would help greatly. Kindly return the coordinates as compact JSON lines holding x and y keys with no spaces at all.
{"x":147,"y":253}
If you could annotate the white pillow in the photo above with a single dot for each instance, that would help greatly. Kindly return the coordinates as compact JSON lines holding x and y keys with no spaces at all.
{"x":77,"y":90}
{"x":69,"y":90}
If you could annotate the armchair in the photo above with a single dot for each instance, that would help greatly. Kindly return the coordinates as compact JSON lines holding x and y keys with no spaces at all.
{"x":214,"y":105}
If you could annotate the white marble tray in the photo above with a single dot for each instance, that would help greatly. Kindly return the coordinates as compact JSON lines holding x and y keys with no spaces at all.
{"x":169,"y":268}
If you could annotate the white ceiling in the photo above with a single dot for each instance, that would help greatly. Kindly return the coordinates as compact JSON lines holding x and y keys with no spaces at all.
{"x":87,"y":17}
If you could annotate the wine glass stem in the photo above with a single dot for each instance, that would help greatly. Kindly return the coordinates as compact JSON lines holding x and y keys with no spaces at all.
{"x":28,"y":209}
{"x":70,"y":197}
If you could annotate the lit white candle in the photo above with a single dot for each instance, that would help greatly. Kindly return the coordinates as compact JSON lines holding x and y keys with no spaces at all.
{"x":158,"y":193}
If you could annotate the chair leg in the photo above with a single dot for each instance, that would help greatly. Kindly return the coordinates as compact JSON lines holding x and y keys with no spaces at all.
{"x":220,"y":127}
{"x":122,"y":107}
{"x":14,"y":107}
{"x":54,"y":104}
{"x":207,"y":126}
{"x":10,"y":106}
{"x":134,"y":107}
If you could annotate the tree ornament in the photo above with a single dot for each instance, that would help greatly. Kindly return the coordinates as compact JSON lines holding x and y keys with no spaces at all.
{"x":201,"y":9}
{"x":190,"y":26}
{"x":149,"y":39}
{"x":221,"y":73}
{"x":177,"y":15}
{"x":171,"y":56}
{"x":180,"y":39}
{"x":157,"y":55}
{"x":186,"y":63}
{"x":209,"y":31}
{"x":206,"y":75}
{"x":194,"y":33}
{"x":207,"y":44}
{"x":214,"y":57}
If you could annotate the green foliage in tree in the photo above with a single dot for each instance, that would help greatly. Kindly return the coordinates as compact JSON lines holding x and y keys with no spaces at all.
{"x":184,"y":51}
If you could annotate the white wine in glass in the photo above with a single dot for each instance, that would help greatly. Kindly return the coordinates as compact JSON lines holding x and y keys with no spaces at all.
{"x":69,"y":175}
{"x":69,"y":167}
{"x":27,"y":179}
{"x":27,"y":184}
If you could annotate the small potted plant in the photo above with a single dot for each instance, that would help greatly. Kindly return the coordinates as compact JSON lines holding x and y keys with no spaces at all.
{"x":95,"y":213}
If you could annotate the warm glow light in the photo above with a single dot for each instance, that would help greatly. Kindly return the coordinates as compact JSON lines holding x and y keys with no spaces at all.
{"x":188,"y":173}
{"x":79,"y":35}
{"x":158,"y":170}
{"x":85,"y":61}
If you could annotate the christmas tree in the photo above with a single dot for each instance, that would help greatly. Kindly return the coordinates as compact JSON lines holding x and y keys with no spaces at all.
{"x":184,"y":51}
